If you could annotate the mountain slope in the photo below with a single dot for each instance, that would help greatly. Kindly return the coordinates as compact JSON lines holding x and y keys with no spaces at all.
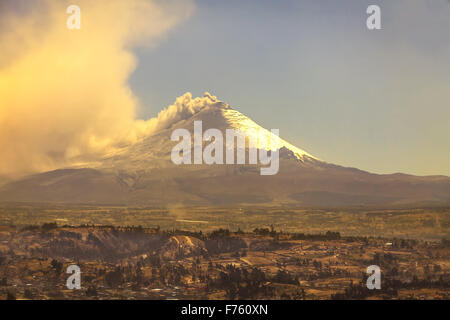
{"x":154,"y":150}
{"x":143,"y":174}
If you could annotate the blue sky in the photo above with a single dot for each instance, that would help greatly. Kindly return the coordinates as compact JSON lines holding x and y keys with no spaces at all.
{"x":376,"y":100}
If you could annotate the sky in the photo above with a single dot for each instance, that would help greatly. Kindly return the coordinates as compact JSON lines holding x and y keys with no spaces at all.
{"x":372,"y":99}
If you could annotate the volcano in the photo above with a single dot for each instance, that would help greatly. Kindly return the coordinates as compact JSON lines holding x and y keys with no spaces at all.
{"x":142,"y":173}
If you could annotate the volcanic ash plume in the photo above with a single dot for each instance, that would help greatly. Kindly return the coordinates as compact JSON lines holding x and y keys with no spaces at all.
{"x":64,"y":93}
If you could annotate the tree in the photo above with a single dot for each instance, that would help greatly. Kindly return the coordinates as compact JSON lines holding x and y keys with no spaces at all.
{"x":10,"y":296}
{"x":57,"y":265}
{"x":91,"y":291}
{"x":28,"y":294}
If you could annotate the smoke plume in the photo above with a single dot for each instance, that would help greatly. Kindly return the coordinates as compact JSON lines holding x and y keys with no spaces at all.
{"x":64,"y":93}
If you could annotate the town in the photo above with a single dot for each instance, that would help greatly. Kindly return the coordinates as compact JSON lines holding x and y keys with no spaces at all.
{"x":150,"y":263}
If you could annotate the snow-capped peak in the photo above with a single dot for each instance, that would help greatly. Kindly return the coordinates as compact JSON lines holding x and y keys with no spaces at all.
{"x":155,"y":145}
{"x":244,"y":124}
{"x":217,"y":114}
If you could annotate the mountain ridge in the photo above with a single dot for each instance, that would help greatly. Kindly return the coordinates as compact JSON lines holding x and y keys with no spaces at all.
{"x":143,"y":173}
